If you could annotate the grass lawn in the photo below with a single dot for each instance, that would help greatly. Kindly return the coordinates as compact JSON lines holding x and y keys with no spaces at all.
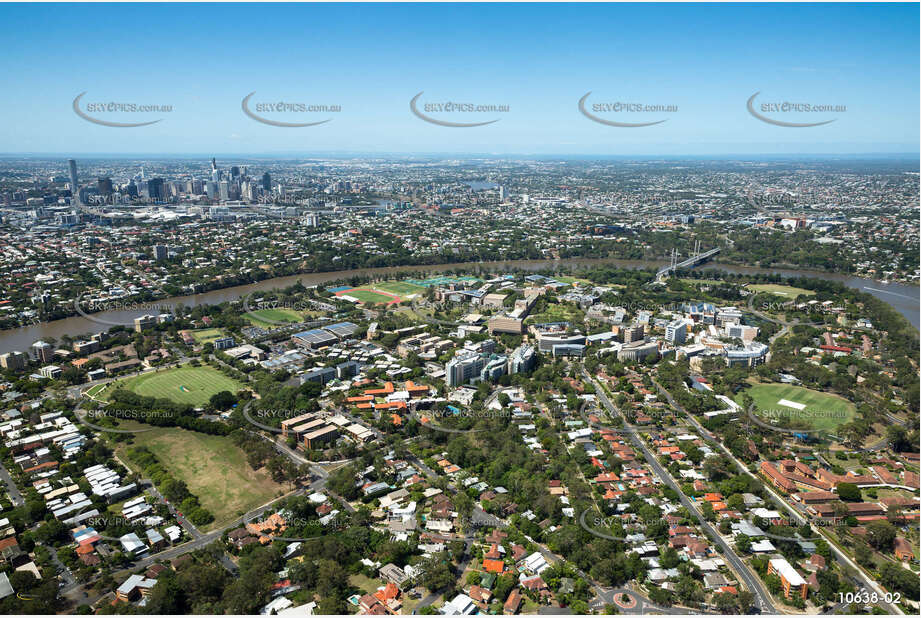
{"x":822,"y":410}
{"x":214,"y":469}
{"x":369,"y":296}
{"x":558,"y":313}
{"x":400,"y":288}
{"x":95,"y":390}
{"x":365,"y":583}
{"x":260,"y":317}
{"x":207,"y":335}
{"x":781,"y":290}
{"x":191,"y":385}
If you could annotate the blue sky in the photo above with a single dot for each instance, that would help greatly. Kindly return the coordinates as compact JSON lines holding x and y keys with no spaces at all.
{"x":538,"y":59}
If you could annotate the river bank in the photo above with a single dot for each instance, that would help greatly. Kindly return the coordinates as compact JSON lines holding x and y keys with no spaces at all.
{"x":904,"y":298}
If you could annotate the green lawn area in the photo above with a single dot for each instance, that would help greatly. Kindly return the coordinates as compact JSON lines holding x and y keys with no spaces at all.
{"x":781,"y":290}
{"x":261,"y":317}
{"x":368,"y":296}
{"x":95,"y":390}
{"x":214,"y":469}
{"x":400,"y":288}
{"x":207,"y":335}
{"x":191,"y":385}
{"x":365,"y":583}
{"x":558,"y":313}
{"x":822,"y":410}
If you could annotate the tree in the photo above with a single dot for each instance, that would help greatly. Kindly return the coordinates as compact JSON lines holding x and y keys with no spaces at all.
{"x":881,"y":535}
{"x":849,"y":492}
{"x":223,"y":400}
{"x":746,"y":601}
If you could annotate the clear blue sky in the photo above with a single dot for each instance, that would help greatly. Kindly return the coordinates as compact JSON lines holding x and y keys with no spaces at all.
{"x":538,"y":59}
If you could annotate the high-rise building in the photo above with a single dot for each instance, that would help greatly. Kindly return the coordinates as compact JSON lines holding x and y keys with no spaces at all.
{"x":267,"y":182}
{"x":223,"y":189}
{"x":104,"y":186}
{"x":74,"y":189}
{"x":14,"y":360}
{"x":634,"y":333}
{"x":522,"y":359}
{"x":42,"y":352}
{"x":155,"y":189}
{"x":161,"y":252}
{"x":461,"y":369}
{"x":676,"y":332}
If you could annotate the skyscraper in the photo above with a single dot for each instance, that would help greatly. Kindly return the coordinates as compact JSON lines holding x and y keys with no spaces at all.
{"x":104,"y":186}
{"x":267,"y":182}
{"x":161,"y":252}
{"x":155,"y":189}
{"x":74,"y":190}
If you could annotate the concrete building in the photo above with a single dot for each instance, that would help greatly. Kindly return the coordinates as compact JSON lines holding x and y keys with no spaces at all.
{"x":144,"y":322}
{"x":463,"y":368}
{"x":676,"y":332}
{"x":13,"y":361}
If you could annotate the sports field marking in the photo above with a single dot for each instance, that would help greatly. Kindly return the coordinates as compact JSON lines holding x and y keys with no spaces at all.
{"x":791,"y":404}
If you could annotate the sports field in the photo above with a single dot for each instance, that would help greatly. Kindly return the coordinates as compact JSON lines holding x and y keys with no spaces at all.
{"x":270,"y":317}
{"x":207,"y":335}
{"x":214,"y":469}
{"x":781,"y":290}
{"x":191,"y":385}
{"x":790,"y":406}
{"x":390,"y":292}
{"x":400,"y":288}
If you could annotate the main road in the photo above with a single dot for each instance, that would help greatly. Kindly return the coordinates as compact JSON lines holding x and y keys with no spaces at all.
{"x":752,"y":582}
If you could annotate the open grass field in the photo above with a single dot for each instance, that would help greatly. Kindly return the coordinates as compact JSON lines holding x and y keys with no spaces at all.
{"x":822,"y":411}
{"x":207,"y":335}
{"x":366,"y":295}
{"x":214,"y":469}
{"x":557,"y":312}
{"x":261,"y":317}
{"x":191,"y":385}
{"x":400,"y":288}
{"x":781,"y":290}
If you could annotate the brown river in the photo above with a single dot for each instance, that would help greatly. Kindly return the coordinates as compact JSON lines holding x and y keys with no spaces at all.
{"x":904,"y":298}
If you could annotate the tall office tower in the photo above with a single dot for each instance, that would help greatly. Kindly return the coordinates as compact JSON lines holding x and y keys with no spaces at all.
{"x":215,"y":174}
{"x":155,"y":189}
{"x":234,"y":171}
{"x":104,"y":186}
{"x":131,"y":189}
{"x":267,"y":182}
{"x":161,"y":252}
{"x":74,"y":190}
{"x":211,"y":189}
{"x":224,"y":190}
{"x":503,"y":194}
